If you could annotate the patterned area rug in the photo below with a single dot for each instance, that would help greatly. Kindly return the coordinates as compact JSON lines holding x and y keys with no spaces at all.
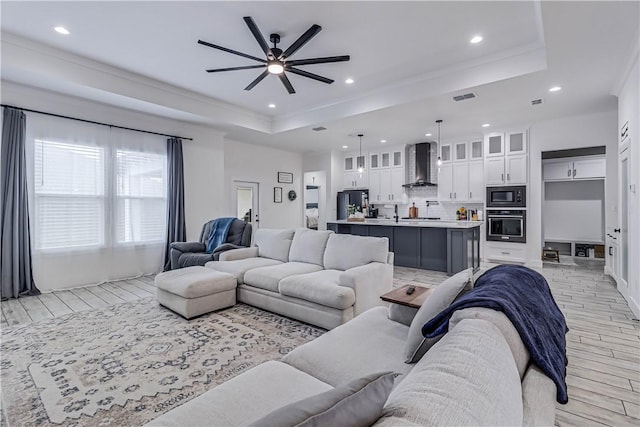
{"x":130,"y":363}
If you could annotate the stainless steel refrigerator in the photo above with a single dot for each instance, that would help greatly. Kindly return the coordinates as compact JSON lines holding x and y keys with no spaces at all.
{"x":359,"y":198}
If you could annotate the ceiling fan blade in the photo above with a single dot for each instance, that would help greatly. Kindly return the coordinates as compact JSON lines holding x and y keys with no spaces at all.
{"x":324,"y":60}
{"x":257,"y":34}
{"x":247,"y":67}
{"x":302,"y":40}
{"x":310,"y":75}
{"x":235,"y":52}
{"x":257,"y":80}
{"x":285,"y":81}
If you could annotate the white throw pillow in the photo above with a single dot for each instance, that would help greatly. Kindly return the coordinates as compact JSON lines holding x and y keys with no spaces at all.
{"x":308,"y":246}
{"x":273,"y":243}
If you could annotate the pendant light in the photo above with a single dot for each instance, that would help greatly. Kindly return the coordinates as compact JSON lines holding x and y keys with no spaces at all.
{"x":360,"y":165}
{"x":439,"y":122}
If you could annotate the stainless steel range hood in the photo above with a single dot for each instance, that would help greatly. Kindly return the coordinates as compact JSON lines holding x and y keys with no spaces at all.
{"x":422,"y":167}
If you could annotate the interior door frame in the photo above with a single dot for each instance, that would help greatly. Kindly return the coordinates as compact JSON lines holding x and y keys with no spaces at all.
{"x":255,"y":199}
{"x":623,"y":214}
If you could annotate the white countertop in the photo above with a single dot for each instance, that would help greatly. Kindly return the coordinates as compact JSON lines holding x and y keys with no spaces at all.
{"x":422,"y":223}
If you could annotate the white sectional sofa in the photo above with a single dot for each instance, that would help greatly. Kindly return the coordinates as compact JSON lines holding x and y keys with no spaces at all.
{"x":317,"y":277}
{"x":477,"y":374}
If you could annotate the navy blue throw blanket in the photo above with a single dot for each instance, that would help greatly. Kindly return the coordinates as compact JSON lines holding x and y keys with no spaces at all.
{"x":219,"y":232}
{"x":525,"y":298}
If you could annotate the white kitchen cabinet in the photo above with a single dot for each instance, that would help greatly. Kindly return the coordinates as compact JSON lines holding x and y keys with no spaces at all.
{"x":446,"y":154}
{"x":557,"y":171}
{"x":475,"y":150}
{"x":397,"y":158}
{"x":385,"y":160}
{"x":374,"y":161}
{"x":589,"y":168}
{"x":494,"y":170}
{"x":445,"y":182}
{"x":460,"y":151}
{"x":355,"y":180}
{"x":516,"y":142}
{"x":385,"y":185}
{"x":516,"y":169}
{"x":463,"y":181}
{"x":476,"y":181}
{"x":505,"y":251}
{"x":569,"y":169}
{"x":349,"y":163}
{"x":494,"y":144}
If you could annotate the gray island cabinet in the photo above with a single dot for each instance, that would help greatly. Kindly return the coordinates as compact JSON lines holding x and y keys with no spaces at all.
{"x":449,"y":246}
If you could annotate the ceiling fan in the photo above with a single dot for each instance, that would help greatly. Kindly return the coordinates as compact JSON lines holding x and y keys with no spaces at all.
{"x":278,"y":61}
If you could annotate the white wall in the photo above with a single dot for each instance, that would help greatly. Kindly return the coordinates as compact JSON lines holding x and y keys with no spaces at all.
{"x":562,"y":134}
{"x":254,"y":163}
{"x":203,"y":173}
{"x":629,"y":110}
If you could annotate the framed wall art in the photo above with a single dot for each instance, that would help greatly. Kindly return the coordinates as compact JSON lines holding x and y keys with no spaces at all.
{"x":285,"y":177}
{"x":277,"y":194}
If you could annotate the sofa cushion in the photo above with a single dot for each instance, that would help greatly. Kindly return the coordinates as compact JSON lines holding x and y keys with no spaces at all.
{"x":345,"y":251}
{"x":273,"y":243}
{"x":269,"y":277}
{"x":368,"y":343}
{"x":245,"y":398}
{"x":356,"y":404}
{"x":441,"y":297}
{"x":308,"y":246}
{"x":468,"y":378}
{"x":320,"y":287}
{"x":509,"y":332}
{"x":239,"y":267}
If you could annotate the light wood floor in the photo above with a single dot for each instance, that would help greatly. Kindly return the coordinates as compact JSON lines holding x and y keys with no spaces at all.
{"x":603,"y":345}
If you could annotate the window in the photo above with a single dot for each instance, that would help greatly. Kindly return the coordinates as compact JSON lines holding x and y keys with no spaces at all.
{"x":69,"y":195}
{"x":80,"y":187}
{"x":141,"y":190}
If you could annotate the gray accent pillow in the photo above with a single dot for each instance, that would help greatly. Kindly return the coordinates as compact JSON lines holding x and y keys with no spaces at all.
{"x":441,"y":297}
{"x":308,"y":246}
{"x":273,"y":243}
{"x":357,"y":403}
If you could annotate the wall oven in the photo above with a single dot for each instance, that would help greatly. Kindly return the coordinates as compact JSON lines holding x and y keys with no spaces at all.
{"x":506,"y":225}
{"x":507,"y":197}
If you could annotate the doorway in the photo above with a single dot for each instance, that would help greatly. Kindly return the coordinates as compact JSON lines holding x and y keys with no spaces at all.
{"x":246,"y":202}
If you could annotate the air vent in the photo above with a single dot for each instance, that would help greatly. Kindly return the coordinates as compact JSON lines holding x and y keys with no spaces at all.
{"x":469,"y":95}
{"x":537,"y":101}
{"x":319,"y":128}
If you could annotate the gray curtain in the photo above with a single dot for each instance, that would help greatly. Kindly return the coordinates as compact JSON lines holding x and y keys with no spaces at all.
{"x":15,"y":260}
{"x":176,"y":229}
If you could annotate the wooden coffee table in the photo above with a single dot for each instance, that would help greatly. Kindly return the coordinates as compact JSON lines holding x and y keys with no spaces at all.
{"x":399,"y":296}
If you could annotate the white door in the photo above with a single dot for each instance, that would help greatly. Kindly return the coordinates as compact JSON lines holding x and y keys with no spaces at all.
{"x":495,"y":170}
{"x":245,"y":199}
{"x":385,"y":184}
{"x":516,"y":167}
{"x":476,"y":181}
{"x":461,"y":181}
{"x":623,"y":220}
{"x":349,"y":180}
{"x":445,"y":182}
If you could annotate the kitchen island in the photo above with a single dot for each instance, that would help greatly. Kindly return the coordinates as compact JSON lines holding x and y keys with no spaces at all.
{"x":449,"y":246}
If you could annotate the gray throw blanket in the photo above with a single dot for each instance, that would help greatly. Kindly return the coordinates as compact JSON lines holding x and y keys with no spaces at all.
{"x":525,"y":298}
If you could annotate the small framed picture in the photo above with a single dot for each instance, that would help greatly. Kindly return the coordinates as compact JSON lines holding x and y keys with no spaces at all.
{"x":277,"y":194}
{"x":285,"y":177}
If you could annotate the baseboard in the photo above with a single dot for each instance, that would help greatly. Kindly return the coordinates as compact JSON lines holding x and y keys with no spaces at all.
{"x":533,"y":263}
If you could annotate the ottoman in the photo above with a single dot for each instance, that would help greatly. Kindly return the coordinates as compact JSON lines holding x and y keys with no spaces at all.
{"x":193,"y":291}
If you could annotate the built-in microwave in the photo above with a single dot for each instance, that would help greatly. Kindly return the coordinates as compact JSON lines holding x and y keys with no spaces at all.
{"x":514,"y":196}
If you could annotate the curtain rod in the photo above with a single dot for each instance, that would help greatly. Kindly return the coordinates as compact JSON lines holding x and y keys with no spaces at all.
{"x":95,"y":123}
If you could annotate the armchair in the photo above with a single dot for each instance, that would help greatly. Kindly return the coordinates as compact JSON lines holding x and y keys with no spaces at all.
{"x":187,"y":254}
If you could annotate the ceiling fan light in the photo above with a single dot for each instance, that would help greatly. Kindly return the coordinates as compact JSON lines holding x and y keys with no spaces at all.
{"x":275,"y":67}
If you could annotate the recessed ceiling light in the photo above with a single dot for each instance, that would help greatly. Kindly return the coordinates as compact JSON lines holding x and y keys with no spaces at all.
{"x":555,"y":88}
{"x":62,"y":30}
{"x":486,"y":125}
{"x":383,"y":140}
{"x":349,"y":81}
{"x":345,"y":146}
{"x":272,"y":105}
{"x":475,"y":39}
{"x":427,"y":134}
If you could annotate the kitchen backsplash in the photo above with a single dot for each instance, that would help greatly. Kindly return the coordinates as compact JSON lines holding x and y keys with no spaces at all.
{"x":444,"y":211}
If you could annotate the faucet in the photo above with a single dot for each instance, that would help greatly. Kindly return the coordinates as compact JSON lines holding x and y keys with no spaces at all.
{"x":395,"y":210}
